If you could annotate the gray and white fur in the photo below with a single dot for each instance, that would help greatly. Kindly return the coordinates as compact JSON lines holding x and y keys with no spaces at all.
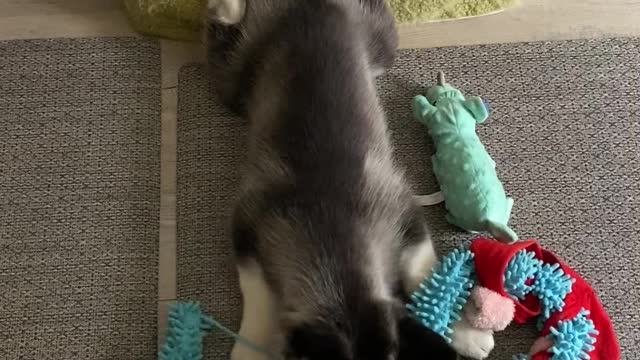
{"x":327,"y":237}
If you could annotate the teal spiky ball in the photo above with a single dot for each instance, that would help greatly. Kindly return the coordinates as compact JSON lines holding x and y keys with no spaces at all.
{"x":521,"y":357}
{"x":551,"y":286}
{"x":187,"y":328}
{"x":440,"y":298}
{"x":521,"y":268}
{"x":573,"y":339}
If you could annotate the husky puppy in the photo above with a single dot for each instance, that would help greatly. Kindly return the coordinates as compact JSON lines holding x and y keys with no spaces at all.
{"x":327,"y":237}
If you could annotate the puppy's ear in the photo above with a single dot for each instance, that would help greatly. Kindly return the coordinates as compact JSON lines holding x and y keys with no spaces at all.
{"x":314,"y":341}
{"x":419,"y":343}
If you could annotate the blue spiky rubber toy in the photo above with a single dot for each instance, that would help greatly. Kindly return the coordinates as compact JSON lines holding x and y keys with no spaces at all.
{"x":439,"y":300}
{"x":187,"y":327}
{"x":572,"y":320}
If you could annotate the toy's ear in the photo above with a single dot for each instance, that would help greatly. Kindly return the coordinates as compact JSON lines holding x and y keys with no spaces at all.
{"x":422,"y":108}
{"x":488,"y":310}
{"x":477,"y":108}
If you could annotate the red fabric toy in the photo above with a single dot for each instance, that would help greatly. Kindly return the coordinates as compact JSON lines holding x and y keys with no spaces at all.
{"x":491,"y":258}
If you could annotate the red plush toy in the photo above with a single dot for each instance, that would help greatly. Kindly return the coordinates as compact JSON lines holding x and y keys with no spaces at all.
{"x":574,"y":322}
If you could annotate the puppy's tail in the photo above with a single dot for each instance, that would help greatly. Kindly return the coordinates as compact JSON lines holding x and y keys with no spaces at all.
{"x":502,"y":232}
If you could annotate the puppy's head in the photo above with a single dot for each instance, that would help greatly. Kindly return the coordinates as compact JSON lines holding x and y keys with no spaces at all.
{"x":376,"y":331}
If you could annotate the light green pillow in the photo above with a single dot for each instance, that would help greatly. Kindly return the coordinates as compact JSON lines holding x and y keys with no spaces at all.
{"x":173,"y":19}
{"x":412,"y":11}
{"x":181,"y":19}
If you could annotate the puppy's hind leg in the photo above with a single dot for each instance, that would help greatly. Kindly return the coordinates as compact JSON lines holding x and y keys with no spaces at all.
{"x":227,"y":12}
{"x":223,"y":39}
{"x":418,"y":255}
{"x":471,"y":342}
{"x":418,"y":258}
{"x":259,"y":315}
{"x":381,"y":35}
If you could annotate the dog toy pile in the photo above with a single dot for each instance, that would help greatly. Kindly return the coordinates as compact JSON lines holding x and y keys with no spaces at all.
{"x":474,"y":196}
{"x":490,"y":283}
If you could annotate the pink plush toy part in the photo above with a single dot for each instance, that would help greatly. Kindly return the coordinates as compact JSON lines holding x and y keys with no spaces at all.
{"x":489,"y":310}
{"x":540,"y":345}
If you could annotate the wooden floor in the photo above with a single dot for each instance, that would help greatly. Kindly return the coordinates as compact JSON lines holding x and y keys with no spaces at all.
{"x":531,"y":20}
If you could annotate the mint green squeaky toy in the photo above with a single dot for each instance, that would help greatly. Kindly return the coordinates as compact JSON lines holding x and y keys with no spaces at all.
{"x":473,"y":194}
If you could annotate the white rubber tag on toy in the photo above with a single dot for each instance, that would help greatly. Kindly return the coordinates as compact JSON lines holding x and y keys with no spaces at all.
{"x":428,"y":200}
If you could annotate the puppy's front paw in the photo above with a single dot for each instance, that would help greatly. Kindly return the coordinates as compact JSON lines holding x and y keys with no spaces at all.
{"x":471,"y":342}
{"x":242,"y":352}
{"x":226,"y":12}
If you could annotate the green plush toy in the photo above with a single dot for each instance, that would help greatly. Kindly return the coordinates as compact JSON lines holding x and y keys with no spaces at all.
{"x":473,"y":194}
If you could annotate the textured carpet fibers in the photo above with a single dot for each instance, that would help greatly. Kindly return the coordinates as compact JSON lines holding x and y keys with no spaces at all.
{"x":564,"y":132}
{"x":79,"y":198}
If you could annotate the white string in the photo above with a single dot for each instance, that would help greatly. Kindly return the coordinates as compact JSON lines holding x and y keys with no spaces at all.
{"x":429,"y":200}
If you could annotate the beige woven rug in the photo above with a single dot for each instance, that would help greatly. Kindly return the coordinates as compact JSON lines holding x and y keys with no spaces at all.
{"x":565,"y":133}
{"x":79,"y":198}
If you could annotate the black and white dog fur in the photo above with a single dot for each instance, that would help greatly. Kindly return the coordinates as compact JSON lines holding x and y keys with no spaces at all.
{"x":327,"y":238}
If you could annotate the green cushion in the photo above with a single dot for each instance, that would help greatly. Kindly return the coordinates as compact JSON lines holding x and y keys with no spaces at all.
{"x":173,"y":19}
{"x":181,"y":19}
{"x":413,"y":11}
